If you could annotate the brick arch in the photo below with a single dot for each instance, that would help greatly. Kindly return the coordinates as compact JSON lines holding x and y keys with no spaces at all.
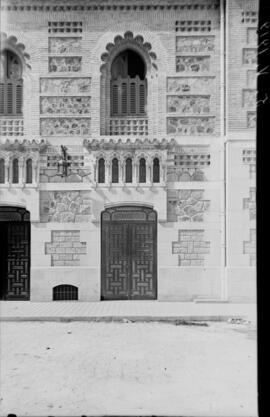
{"x":11,"y":43}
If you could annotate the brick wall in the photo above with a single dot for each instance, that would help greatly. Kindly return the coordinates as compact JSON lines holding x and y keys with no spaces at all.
{"x":65,"y":248}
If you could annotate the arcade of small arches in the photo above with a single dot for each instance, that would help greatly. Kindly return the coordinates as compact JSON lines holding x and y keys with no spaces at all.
{"x":127,"y":170}
{"x":18,"y":170}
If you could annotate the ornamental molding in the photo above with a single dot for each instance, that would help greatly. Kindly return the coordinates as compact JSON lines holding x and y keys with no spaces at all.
{"x":23,"y":145}
{"x":128,"y":41}
{"x":128,"y":145}
{"x":137,"y":5}
{"x":11,"y":43}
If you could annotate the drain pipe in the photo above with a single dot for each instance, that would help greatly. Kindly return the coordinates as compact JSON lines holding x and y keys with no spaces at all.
{"x":222,"y":153}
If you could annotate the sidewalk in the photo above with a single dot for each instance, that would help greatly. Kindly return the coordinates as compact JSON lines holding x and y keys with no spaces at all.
{"x":118,"y":310}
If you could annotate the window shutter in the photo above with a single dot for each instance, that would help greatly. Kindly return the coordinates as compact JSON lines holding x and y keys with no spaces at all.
{"x":142,"y":99}
{"x":10,"y":98}
{"x":124,"y":109}
{"x":18,"y":102}
{"x":114,"y":99}
{"x":2,"y":171}
{"x":2,"y":95}
{"x":133,"y":98}
{"x":29,"y":171}
{"x":15,"y":171}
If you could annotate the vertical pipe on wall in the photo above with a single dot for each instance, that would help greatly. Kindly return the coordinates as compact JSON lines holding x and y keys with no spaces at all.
{"x":222,"y":153}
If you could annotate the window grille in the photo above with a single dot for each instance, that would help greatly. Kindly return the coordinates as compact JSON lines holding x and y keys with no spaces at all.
{"x":65,"y":293}
{"x":156,"y":170}
{"x":101,"y":170}
{"x":129,"y":170}
{"x":11,"y":85}
{"x":115,"y":170}
{"x":142,"y":170}
{"x":29,"y":171}
{"x":2,"y":171}
{"x":15,"y":171}
{"x":193,"y":26}
{"x":65,"y":27}
{"x":128,"y":96}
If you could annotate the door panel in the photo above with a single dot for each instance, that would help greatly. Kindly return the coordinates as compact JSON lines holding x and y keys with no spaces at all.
{"x":128,"y":254}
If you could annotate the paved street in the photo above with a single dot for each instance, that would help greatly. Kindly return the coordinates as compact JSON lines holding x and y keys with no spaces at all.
{"x":60,"y":369}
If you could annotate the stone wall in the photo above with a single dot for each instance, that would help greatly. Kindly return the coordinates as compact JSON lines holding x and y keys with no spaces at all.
{"x":186,"y":205}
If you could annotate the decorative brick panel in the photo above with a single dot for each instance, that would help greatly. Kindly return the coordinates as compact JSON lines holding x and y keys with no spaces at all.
{"x":188,"y":104}
{"x":65,"y":206}
{"x":193,"y":25}
{"x":191,"y":125}
{"x":188,"y":165}
{"x":192,"y":63}
{"x":65,"y":248}
{"x":65,"y":45}
{"x":249,"y":247}
{"x":250,"y":203}
{"x":65,"y":126}
{"x":191,"y":247}
{"x":193,"y":85}
{"x":185,"y":44}
{"x":65,"y":105}
{"x":63,"y":86}
{"x":11,"y":127}
{"x":64,"y":27}
{"x":249,"y":98}
{"x":65,"y":64}
{"x":249,"y":56}
{"x":186,"y":205}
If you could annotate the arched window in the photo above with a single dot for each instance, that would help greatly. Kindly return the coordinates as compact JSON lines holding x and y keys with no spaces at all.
{"x":115,"y":170}
{"x":128,"y":170}
{"x":11,"y":84}
{"x":142,"y":170}
{"x":15,"y":171}
{"x":29,"y":171}
{"x":128,"y":85}
{"x":65,"y":292}
{"x":2,"y":171}
{"x":156,"y":170}
{"x":101,"y":170}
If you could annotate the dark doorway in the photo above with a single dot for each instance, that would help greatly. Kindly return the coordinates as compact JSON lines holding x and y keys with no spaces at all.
{"x":129,"y":253}
{"x":14,"y":253}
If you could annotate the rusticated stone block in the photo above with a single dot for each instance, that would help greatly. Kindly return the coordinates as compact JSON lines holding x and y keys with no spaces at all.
{"x":186,"y":240}
{"x":62,"y":255}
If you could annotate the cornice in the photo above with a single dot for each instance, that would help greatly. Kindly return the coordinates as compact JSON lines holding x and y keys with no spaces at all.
{"x":88,"y":5}
{"x":128,"y":145}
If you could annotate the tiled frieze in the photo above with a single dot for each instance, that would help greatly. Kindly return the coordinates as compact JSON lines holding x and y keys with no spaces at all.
{"x":192,"y":63}
{"x":191,"y":125}
{"x":249,"y":247}
{"x":189,"y":44}
{"x":65,"y":105}
{"x":65,"y":45}
{"x":71,"y":86}
{"x":188,"y":104}
{"x":65,"y":126}
{"x":250,"y":203}
{"x":65,"y":206}
{"x":65,"y":64}
{"x":65,"y":248}
{"x":186,"y":205}
{"x":193,"y":85}
{"x":191,"y":248}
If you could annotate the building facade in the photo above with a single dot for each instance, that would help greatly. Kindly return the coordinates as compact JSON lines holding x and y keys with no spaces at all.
{"x":127,"y":155}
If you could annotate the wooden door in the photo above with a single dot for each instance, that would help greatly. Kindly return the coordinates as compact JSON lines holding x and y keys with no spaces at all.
{"x":128,"y":253}
{"x":15,"y":254}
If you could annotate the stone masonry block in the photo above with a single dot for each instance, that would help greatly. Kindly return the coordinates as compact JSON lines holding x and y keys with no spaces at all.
{"x":65,"y":248}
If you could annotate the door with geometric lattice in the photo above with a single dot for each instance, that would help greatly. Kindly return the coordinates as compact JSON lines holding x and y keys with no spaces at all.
{"x":14,"y":254}
{"x":128,"y":253}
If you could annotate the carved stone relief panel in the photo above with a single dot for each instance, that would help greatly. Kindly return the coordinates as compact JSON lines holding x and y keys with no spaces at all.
{"x":190,"y":85}
{"x":192,"y":63}
{"x":252,"y":37}
{"x":249,"y":98}
{"x":65,"y":64}
{"x":250,"y":56}
{"x":251,"y":78}
{"x":186,"y":205}
{"x":65,"y":206}
{"x":65,"y":45}
{"x":191,"y":247}
{"x":65,"y":85}
{"x":188,"y":104}
{"x":251,"y":119}
{"x":191,"y":125}
{"x":65,"y":126}
{"x":65,"y":105}
{"x":195,"y":44}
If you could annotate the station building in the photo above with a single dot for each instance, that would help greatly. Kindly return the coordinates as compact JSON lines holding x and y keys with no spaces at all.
{"x":127,"y":154}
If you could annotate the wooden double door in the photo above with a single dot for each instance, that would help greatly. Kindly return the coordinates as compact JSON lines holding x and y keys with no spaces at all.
{"x":128,"y":253}
{"x":14,"y":254}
